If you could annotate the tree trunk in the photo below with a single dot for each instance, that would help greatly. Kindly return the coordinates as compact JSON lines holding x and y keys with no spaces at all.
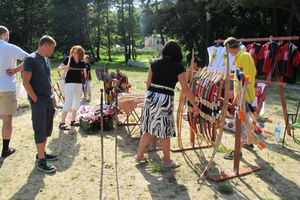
{"x":162,"y":37}
{"x":108,"y":31}
{"x":290,"y":24}
{"x":274,"y":22}
{"x":98,"y":32}
{"x":123,"y":32}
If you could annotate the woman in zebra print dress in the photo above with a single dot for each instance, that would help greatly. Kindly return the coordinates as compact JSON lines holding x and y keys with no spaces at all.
{"x":158,"y":117}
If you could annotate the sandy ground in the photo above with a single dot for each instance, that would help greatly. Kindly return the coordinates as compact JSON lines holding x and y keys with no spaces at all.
{"x":83,"y":174}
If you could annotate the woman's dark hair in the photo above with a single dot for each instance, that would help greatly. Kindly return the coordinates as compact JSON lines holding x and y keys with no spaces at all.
{"x":172,"y":50}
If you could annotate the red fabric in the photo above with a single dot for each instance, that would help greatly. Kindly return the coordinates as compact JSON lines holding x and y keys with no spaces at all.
{"x":266,"y":55}
{"x":253,"y":49}
{"x":296,"y":59}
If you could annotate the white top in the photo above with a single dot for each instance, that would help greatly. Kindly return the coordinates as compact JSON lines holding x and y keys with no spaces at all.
{"x":223,"y":62}
{"x":215,"y":54}
{"x":9,"y":54}
{"x":218,"y":59}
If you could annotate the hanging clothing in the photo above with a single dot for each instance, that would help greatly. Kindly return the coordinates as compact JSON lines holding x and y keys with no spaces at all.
{"x":265,"y":57}
{"x":253,"y":49}
{"x":291,"y":70}
{"x":218,"y":59}
{"x":285,"y":63}
{"x":215,"y":54}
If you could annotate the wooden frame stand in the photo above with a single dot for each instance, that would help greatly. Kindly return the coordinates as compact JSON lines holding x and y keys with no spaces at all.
{"x":236,"y":164}
{"x":193,"y":146}
{"x":236,"y":170}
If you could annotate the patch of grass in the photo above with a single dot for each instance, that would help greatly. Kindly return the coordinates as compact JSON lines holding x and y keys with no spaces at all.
{"x":157,"y":168}
{"x":226,"y":189}
{"x":92,"y":178}
{"x":221,"y":149}
{"x":183,"y":188}
{"x":260,"y":175}
{"x":267,"y":198}
{"x":146,"y":63}
{"x":4,"y":180}
{"x":271,"y":163}
{"x":75,"y":176}
{"x":270,"y":181}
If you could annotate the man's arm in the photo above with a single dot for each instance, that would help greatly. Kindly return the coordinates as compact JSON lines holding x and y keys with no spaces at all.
{"x":27,"y":86}
{"x":11,"y":72}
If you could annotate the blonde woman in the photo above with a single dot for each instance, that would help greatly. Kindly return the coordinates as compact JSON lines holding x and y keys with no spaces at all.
{"x":73,"y":84}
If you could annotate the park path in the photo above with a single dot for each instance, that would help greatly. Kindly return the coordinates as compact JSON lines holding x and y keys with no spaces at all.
{"x":140,"y":63}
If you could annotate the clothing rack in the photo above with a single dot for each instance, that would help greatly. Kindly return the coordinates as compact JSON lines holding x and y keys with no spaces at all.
{"x":262,"y":39}
{"x":274,"y":67}
{"x":269,"y":76}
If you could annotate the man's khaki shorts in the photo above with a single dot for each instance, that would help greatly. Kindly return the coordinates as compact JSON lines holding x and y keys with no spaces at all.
{"x":8,"y":103}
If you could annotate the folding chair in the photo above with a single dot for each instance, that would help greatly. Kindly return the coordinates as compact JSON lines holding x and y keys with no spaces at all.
{"x":295,"y":123}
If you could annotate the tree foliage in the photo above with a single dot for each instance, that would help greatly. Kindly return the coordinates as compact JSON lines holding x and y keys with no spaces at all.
{"x":98,"y":25}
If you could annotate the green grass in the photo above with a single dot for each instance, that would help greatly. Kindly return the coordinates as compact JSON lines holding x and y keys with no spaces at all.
{"x":157,"y":168}
{"x":221,"y":149}
{"x":226,"y":189}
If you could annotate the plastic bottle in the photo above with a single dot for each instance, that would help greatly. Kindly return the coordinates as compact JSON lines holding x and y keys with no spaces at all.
{"x":277,"y":132}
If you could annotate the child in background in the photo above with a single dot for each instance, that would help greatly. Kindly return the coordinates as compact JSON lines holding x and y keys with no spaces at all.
{"x":87,"y":86}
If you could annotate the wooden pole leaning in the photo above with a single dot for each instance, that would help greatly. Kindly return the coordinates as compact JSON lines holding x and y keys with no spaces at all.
{"x":101,"y":107}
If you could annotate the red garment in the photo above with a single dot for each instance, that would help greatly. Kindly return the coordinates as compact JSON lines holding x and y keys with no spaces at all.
{"x":288,"y":63}
{"x":253,"y":49}
{"x":265,"y":57}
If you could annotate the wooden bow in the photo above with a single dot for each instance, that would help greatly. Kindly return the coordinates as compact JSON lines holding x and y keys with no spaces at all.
{"x":222,"y":118}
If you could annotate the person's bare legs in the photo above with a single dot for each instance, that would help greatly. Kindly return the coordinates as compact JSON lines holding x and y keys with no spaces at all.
{"x":73,"y":114}
{"x":249,"y":139}
{"x":6,"y":135}
{"x":242,"y":143}
{"x":165,"y":145}
{"x":7,"y":126}
{"x":63,"y":117}
{"x":41,"y":149}
{"x":145,"y":139}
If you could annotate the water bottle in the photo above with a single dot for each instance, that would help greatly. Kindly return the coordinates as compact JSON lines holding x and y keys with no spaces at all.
{"x":277,"y":132}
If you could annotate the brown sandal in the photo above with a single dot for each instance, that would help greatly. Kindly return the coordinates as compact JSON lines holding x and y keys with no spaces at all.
{"x":73,"y":123}
{"x":63,"y":126}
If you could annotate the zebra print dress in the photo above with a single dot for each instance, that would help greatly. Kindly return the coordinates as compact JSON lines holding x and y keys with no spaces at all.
{"x":158,"y":116}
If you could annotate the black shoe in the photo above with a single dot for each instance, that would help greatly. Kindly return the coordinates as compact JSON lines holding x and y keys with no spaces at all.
{"x":230,"y":155}
{"x":48,"y":156}
{"x":8,"y":152}
{"x":248,"y":146}
{"x":45,"y":166}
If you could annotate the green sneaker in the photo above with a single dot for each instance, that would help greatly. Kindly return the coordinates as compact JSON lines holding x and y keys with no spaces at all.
{"x":45,"y":166}
{"x":48,"y":156}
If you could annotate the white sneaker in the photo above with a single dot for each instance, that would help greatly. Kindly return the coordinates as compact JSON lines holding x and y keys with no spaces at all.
{"x":229,"y":121}
{"x":89,"y":98}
